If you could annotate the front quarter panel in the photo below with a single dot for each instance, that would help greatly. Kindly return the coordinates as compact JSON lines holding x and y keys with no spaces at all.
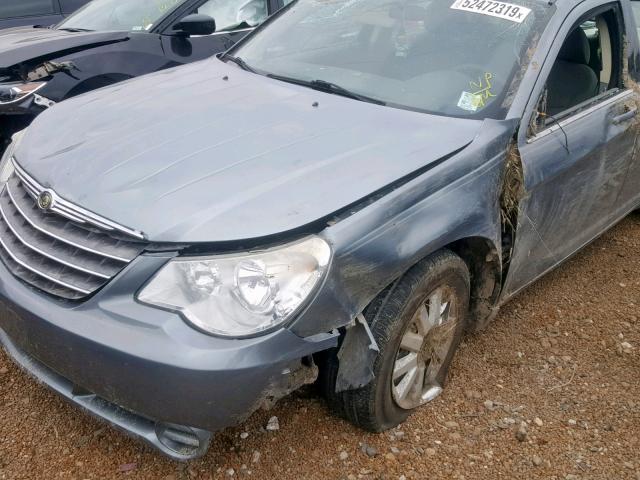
{"x":107,"y":64}
{"x":372,"y":247}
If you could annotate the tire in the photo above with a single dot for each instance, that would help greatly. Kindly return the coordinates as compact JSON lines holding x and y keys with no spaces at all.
{"x":392,"y":318}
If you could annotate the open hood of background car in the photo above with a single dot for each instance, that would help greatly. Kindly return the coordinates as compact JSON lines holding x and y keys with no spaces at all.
{"x":18,"y":45}
{"x":209,"y":152}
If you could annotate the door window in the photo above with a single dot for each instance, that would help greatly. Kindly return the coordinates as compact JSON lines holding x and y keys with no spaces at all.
{"x":587,"y":66}
{"x":24,"y":8}
{"x":233,"y":15}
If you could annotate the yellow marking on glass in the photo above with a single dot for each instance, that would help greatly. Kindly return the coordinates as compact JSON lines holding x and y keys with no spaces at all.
{"x":483,"y":89}
{"x":165,"y":5}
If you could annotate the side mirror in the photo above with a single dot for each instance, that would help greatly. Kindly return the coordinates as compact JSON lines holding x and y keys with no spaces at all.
{"x":195,"y":24}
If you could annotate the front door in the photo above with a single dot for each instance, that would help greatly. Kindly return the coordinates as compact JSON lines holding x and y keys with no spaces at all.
{"x":576,"y":149}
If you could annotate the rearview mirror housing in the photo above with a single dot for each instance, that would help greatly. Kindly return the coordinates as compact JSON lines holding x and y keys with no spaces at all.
{"x":195,"y":24}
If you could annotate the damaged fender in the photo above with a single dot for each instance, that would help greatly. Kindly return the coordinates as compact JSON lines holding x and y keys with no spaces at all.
{"x":455,"y":204}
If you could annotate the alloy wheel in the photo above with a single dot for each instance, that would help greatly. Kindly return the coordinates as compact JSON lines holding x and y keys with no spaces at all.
{"x":423,"y":350}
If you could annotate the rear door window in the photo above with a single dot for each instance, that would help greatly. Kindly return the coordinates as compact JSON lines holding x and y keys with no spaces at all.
{"x":25,"y":8}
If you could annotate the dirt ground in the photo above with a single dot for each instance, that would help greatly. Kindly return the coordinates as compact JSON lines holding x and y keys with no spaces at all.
{"x":550,"y":390}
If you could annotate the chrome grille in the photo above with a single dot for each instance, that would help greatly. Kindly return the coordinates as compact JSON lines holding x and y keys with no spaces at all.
{"x":67,"y":258}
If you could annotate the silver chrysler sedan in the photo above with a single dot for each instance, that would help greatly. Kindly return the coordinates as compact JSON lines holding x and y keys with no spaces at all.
{"x":336,"y":199}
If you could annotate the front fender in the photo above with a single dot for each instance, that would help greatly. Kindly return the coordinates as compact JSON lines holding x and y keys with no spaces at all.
{"x":105,"y":65}
{"x":456,"y":200}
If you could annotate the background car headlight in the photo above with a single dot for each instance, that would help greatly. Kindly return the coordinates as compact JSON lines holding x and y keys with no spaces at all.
{"x":6,"y":166}
{"x":242,"y":294}
{"x":12,"y":92}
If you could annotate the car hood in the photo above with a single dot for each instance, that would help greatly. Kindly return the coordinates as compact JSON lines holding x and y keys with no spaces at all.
{"x":210,"y":153}
{"x":23,"y":44}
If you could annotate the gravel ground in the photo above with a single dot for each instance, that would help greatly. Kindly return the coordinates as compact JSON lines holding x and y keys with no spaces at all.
{"x":550,"y":390}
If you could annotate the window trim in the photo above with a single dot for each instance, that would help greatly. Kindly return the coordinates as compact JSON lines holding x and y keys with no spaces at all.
{"x":580,"y":111}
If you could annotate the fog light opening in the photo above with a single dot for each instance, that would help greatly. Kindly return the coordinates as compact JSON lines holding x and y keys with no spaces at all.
{"x":180,"y":439}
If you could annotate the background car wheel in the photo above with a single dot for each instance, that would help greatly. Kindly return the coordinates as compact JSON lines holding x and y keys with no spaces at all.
{"x":418,"y":323}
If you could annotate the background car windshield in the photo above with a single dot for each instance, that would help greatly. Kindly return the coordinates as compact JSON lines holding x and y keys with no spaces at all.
{"x":133,"y":15}
{"x":456,"y":58}
{"x":234,"y":14}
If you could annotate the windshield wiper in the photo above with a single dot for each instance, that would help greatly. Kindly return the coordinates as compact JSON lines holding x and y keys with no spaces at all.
{"x":75,"y":30}
{"x":328,"y":87}
{"x":321,"y":85}
{"x":238,"y":61}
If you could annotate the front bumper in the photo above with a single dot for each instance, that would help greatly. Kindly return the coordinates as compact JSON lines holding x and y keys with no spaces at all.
{"x":17,"y":116}
{"x":143,"y":369}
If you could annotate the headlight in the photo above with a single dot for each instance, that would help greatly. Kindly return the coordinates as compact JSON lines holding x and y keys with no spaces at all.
{"x":13,"y":92}
{"x":240,"y":295}
{"x":6,"y":167}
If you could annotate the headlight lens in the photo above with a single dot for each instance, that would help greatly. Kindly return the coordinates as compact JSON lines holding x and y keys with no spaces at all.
{"x":240,"y":295}
{"x":6,"y":167}
{"x":12,"y":92}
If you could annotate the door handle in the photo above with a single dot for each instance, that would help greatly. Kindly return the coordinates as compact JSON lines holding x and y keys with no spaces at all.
{"x":625,"y":116}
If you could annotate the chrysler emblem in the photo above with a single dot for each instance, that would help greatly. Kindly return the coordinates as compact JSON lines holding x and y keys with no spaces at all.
{"x":45,"y":200}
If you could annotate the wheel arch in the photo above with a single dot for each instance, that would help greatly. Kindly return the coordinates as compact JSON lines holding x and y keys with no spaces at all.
{"x":481,"y":255}
{"x":483,"y":260}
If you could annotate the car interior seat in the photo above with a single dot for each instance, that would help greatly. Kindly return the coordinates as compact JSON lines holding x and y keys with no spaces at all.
{"x":572,"y":80}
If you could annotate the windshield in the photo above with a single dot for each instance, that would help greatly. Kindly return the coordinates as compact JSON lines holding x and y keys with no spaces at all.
{"x":456,"y":58}
{"x":131,"y":15}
